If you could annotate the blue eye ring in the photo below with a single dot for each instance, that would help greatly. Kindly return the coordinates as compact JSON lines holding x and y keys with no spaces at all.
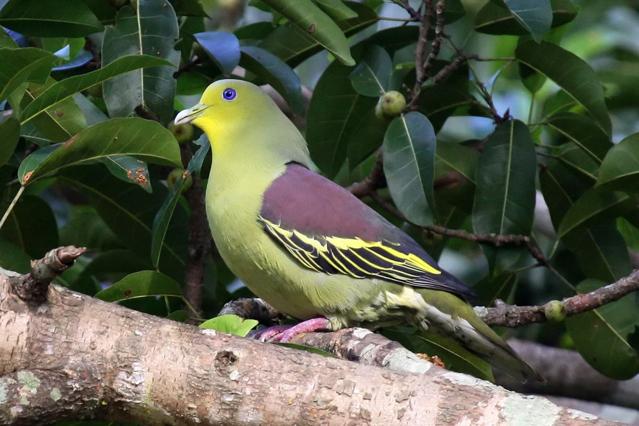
{"x":229,"y":94}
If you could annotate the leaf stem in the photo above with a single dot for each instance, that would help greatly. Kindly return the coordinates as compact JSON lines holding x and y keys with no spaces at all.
{"x":11,"y":206}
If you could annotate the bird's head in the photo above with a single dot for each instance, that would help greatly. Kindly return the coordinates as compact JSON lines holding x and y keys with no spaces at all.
{"x":242,"y":121}
{"x":227,"y":104}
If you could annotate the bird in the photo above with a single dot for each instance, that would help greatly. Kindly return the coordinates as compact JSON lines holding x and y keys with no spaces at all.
{"x":311,"y":249}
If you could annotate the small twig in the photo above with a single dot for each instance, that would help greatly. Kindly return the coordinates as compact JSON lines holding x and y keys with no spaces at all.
{"x":7,"y":212}
{"x":412,"y":12}
{"x":437,"y":41}
{"x":515,"y":316}
{"x":144,"y":112}
{"x":372,"y":182}
{"x":420,"y":53}
{"x":33,"y":287}
{"x":188,"y":66}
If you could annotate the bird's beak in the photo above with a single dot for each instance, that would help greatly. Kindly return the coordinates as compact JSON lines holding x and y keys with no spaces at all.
{"x":190,"y":114}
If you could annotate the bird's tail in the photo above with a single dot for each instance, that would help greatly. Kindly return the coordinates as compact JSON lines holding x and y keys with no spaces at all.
{"x":445,"y":315}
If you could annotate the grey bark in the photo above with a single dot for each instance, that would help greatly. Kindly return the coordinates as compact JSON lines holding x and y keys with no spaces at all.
{"x":78,"y":357}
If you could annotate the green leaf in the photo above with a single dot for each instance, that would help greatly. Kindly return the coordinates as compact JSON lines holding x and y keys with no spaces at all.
{"x":316,"y":24}
{"x":119,"y":136}
{"x":581,"y":131}
{"x":494,"y":18}
{"x":409,"y":155}
{"x":620,"y":167}
{"x":594,"y":206}
{"x":129,"y":212}
{"x":534,"y":15}
{"x":85,"y":228}
{"x":570,"y":73}
{"x":163,"y":218}
{"x":505,"y":195}
{"x":600,"y":250}
{"x":9,"y":136}
{"x":230,"y":324}
{"x":58,"y":123}
{"x":336,"y":9}
{"x":334,"y":115}
{"x":578,"y":160}
{"x":293,"y":44}
{"x":222,"y":47}
{"x":150,"y":29}
{"x":12,"y":258}
{"x":275,"y":72}
{"x":56,"y":18}
{"x":64,"y":89}
{"x":559,"y":101}
{"x":32,"y":227}
{"x":492,"y":288}
{"x":372,"y":74}
{"x":18,"y":66}
{"x":601,"y":335}
{"x":129,"y":169}
{"x":141,"y":284}
{"x":195,"y":164}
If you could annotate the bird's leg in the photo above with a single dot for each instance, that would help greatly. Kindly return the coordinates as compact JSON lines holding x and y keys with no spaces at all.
{"x":308,"y":326}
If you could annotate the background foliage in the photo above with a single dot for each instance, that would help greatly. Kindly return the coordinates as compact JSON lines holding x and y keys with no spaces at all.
{"x":524,"y":124}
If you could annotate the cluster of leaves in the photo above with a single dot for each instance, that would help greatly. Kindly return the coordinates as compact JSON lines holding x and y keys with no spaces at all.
{"x":89,"y":87}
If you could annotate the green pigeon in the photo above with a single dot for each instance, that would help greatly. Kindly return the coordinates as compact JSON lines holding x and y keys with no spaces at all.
{"x":311,"y":249}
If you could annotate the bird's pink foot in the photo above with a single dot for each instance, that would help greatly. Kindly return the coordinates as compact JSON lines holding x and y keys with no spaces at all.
{"x":270,"y":332}
{"x":308,"y":326}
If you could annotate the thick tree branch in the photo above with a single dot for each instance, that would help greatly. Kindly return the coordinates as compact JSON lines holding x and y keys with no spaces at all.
{"x":78,"y":357}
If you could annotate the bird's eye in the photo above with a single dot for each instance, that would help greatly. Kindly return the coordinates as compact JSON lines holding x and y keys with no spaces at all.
{"x":229,"y":94}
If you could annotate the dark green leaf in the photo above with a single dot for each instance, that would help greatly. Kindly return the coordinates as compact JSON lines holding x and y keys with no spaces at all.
{"x":64,"y":89}
{"x":150,"y":29}
{"x":222,"y":47}
{"x":85,"y":228}
{"x":12,"y":258}
{"x":336,"y":9}
{"x":18,"y":66}
{"x":601,"y":335}
{"x":195,"y":164}
{"x":163,"y":218}
{"x":570,"y":73}
{"x":558,"y":102}
{"x":600,"y":249}
{"x":493,"y":18}
{"x":126,"y":136}
{"x":293,"y":44}
{"x":581,"y":131}
{"x":372,"y":74}
{"x":141,"y":284}
{"x":32,"y":227}
{"x":594,"y":206}
{"x":230,"y":324}
{"x":505,"y":196}
{"x":334,"y":115}
{"x":193,"y":7}
{"x":9,"y":136}
{"x":620,"y":167}
{"x":129,"y":212}
{"x":275,"y":72}
{"x":534,"y":15}
{"x":316,"y":24}
{"x":579,"y":161}
{"x":409,"y":154}
{"x":56,"y":18}
{"x":492,"y":288}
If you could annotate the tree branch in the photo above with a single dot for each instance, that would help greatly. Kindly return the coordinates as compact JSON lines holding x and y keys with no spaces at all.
{"x":78,"y":357}
{"x":515,"y":316}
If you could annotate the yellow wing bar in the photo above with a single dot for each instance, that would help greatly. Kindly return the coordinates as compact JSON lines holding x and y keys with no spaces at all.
{"x":353,"y":256}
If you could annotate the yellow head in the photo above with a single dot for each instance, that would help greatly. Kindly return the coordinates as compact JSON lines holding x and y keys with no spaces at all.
{"x":228,"y":105}
{"x":239,"y":118}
